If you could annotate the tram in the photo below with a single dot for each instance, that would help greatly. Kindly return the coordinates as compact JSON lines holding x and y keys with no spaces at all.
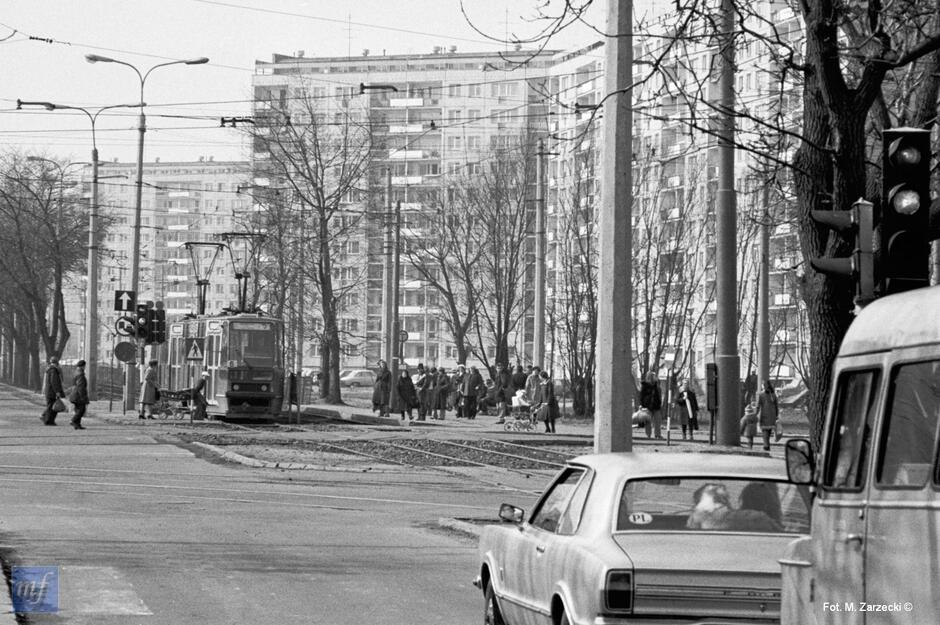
{"x":241,"y":353}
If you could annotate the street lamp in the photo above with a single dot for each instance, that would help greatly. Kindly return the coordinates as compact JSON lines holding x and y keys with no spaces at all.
{"x":91,"y":295}
{"x":142,"y":128}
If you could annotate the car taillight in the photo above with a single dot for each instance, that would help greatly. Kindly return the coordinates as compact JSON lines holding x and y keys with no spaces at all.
{"x":618,"y":591}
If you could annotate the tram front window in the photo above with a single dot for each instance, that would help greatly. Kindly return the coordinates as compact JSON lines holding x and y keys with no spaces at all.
{"x":253,"y":344}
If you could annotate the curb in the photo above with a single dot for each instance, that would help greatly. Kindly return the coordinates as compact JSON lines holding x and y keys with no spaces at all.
{"x":231,"y":456}
{"x":364,"y":419}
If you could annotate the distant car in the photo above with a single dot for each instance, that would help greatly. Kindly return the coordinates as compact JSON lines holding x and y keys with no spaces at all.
{"x":645,"y":538}
{"x":357,"y":377}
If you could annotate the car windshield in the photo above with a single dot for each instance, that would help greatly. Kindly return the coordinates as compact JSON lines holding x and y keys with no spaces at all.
{"x":714,"y":504}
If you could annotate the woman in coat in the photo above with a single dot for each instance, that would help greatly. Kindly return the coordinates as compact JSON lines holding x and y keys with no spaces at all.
{"x":651,"y":398}
{"x":548,"y":405}
{"x":442,"y":389}
{"x":381,"y":389}
{"x":79,"y":395}
{"x":52,"y":390}
{"x":688,"y":410}
{"x":407,"y":396}
{"x":767,"y":412}
{"x":148,"y":391}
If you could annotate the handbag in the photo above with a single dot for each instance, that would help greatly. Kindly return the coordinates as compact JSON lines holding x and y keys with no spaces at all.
{"x":58,"y":405}
{"x":156,"y":394}
{"x":778,"y":430}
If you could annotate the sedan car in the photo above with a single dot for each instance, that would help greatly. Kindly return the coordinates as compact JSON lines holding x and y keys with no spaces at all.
{"x":645,"y":538}
{"x":357,"y":377}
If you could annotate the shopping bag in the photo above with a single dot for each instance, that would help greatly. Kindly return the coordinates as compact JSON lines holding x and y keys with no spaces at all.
{"x":58,"y":405}
{"x":778,"y":430}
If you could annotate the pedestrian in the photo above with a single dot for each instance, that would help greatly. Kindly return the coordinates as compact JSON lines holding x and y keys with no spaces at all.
{"x":52,"y":390}
{"x":407,"y":395}
{"x":546,"y":402}
{"x":749,"y":424}
{"x":381,"y":389}
{"x":149,"y":391}
{"x":471,"y":389}
{"x":688,"y":410}
{"x":78,"y":396}
{"x":486,"y":402}
{"x":651,"y":398}
{"x":442,"y":389}
{"x":504,"y":391}
{"x":425,"y":389}
{"x":532,"y":385}
{"x":197,"y":397}
{"x":457,"y":384}
{"x":767,"y":412}
{"x":518,"y":378}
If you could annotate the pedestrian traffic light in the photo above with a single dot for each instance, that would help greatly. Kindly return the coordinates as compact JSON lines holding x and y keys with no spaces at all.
{"x":860,"y":265}
{"x":905,"y":216}
{"x":143,"y":322}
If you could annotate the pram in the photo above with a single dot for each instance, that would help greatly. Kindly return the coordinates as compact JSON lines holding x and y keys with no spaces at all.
{"x":520,"y":418}
{"x":173,"y":404}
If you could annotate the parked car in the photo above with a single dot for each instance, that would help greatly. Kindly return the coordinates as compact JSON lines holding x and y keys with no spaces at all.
{"x":357,"y":377}
{"x":625,"y":538}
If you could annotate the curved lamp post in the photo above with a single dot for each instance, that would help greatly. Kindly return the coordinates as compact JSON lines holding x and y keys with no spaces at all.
{"x":131,"y":399}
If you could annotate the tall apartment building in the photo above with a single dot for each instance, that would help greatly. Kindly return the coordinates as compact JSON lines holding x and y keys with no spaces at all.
{"x":181,"y":201}
{"x":434,"y":116}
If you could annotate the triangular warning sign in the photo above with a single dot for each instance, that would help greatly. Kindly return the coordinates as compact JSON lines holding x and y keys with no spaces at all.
{"x":195,"y":352}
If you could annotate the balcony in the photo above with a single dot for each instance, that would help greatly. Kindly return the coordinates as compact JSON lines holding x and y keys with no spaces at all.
{"x":401,"y":155}
{"x":400,"y":129}
{"x":403,"y":180}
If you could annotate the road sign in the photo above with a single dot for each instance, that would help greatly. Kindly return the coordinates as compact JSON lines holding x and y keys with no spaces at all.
{"x":126,"y":326}
{"x":195,"y":349}
{"x":125,"y":351}
{"x":403,"y":336}
{"x":124,"y":301}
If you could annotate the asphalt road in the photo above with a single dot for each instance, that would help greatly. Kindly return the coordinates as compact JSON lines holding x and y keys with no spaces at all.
{"x":146,"y":531}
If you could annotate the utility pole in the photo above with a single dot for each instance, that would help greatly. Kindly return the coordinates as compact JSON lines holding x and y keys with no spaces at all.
{"x":726,"y":357}
{"x":538,"y":334}
{"x":615,"y":386}
{"x":91,"y":297}
{"x":393,"y":363}
{"x":387,"y":271}
{"x":763,"y":296}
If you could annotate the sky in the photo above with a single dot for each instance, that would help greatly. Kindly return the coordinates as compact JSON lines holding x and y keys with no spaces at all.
{"x":43,"y":44}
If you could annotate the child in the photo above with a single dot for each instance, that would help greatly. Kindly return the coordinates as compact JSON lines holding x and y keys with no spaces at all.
{"x":749,"y":424}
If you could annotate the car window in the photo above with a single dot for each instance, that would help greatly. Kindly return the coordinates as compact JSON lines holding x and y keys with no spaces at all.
{"x":549,"y":511}
{"x":909,"y":430}
{"x":849,"y":436}
{"x":571,"y":518}
{"x":713,"y":504}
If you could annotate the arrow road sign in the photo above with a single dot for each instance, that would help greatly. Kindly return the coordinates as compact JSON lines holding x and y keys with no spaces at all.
{"x":126,"y":326}
{"x":195,"y":349}
{"x":124,"y":300}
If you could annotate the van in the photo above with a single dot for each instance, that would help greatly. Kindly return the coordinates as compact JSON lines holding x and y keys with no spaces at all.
{"x":873,"y":553}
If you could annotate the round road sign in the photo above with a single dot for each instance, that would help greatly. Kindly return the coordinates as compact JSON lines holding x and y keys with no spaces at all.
{"x":403,"y":336}
{"x":125,"y":351}
{"x":126,"y":326}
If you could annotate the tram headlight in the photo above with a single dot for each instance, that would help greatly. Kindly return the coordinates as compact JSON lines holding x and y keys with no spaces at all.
{"x":264,"y":387}
{"x":235,"y":387}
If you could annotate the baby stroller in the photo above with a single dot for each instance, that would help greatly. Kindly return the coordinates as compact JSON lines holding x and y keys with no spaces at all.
{"x":520,"y":418}
{"x":172,"y":404}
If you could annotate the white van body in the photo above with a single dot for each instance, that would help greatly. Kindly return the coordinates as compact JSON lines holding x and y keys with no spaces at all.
{"x":873,"y":556}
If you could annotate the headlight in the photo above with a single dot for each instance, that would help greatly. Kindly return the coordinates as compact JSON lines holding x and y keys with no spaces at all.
{"x":264,"y":387}
{"x":235,"y":387}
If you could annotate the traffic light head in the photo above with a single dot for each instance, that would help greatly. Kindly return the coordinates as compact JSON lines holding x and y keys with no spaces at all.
{"x":159,"y":326}
{"x":144,"y":322}
{"x":905,"y":214}
{"x":859,"y":266}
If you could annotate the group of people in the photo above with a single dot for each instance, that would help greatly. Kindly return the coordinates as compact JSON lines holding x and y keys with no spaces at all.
{"x":433,"y":392}
{"x":53,"y":392}
{"x":650,"y":415}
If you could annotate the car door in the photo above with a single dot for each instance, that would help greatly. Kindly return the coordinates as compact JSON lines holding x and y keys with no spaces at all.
{"x":901,"y":563}
{"x":839,"y":514}
{"x":542,"y":547}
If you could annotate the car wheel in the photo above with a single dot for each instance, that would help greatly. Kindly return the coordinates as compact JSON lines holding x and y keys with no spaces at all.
{"x":491,"y":613}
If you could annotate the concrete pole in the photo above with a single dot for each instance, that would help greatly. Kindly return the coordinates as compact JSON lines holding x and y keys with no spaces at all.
{"x":396,"y":323}
{"x":763,"y":298}
{"x":91,"y":295}
{"x":614,"y":387}
{"x":387,"y":273}
{"x":726,"y":357}
{"x":135,"y":370}
{"x":301,"y":288}
{"x":538,"y":334}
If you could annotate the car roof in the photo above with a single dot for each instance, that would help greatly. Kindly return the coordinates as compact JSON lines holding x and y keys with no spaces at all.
{"x":683,"y":463}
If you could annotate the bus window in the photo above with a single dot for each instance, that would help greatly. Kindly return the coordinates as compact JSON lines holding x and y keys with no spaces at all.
{"x":850,"y":433}
{"x":909,"y":433}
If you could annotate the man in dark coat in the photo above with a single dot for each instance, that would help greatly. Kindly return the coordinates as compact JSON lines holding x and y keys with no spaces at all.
{"x":382,"y":389}
{"x":518,"y":379}
{"x":505,"y":391}
{"x":407,"y":396}
{"x":651,"y":398}
{"x":52,"y":389}
{"x":79,"y":395}
{"x":471,"y":389}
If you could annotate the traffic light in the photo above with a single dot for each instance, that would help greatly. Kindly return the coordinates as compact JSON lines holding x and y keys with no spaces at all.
{"x":860,"y":265}
{"x":144,"y":323}
{"x":905,"y":215}
{"x":158,"y":334}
